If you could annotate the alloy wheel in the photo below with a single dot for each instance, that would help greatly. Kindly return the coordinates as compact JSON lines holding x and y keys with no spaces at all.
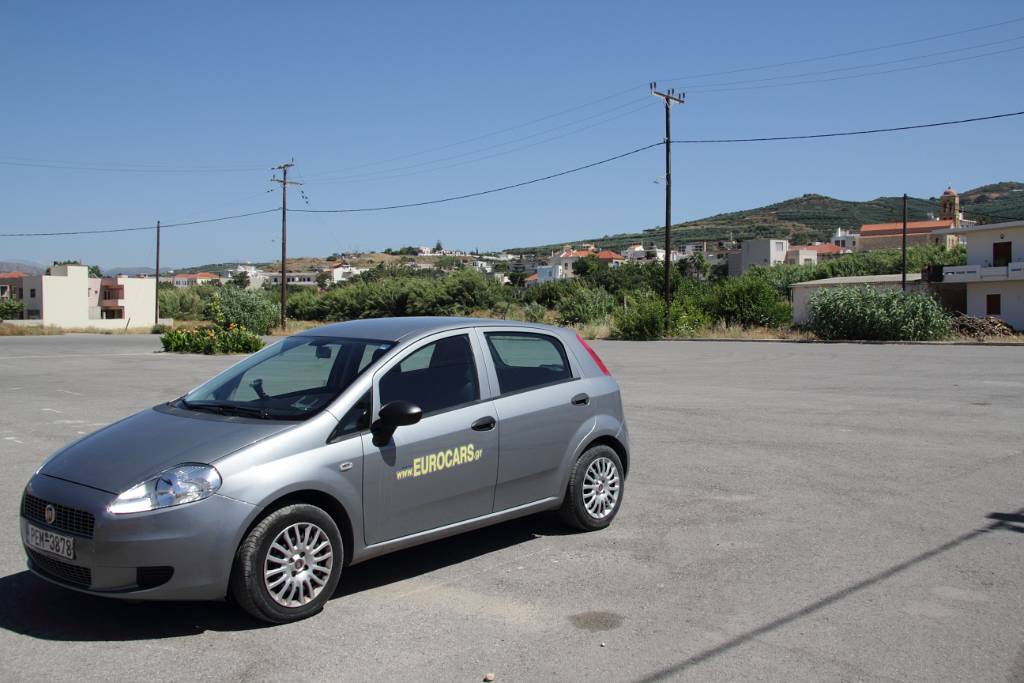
{"x":298,"y":564}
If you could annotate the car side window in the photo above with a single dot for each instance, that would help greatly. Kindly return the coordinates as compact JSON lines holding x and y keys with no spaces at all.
{"x":357,"y":419}
{"x":438,"y":376}
{"x":525,"y":360}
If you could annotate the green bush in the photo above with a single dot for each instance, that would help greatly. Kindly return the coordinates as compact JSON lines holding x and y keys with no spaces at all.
{"x":643,"y":317}
{"x":159,"y":329}
{"x":244,"y":308}
{"x":534,"y":313}
{"x":209,"y":340}
{"x":872,"y":314}
{"x":582,"y":305}
{"x":748,"y":302}
{"x":10,"y":309}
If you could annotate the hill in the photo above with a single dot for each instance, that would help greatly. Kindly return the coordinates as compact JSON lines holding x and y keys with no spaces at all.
{"x":815,"y":217}
{"x":27,"y":267}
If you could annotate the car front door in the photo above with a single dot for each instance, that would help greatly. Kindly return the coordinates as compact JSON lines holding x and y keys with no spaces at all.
{"x":541,"y":404}
{"x":442,"y":469}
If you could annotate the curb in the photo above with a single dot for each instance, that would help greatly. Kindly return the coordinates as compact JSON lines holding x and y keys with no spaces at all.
{"x":843,"y":341}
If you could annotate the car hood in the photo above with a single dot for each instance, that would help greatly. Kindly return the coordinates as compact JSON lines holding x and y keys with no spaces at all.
{"x":141,"y":446}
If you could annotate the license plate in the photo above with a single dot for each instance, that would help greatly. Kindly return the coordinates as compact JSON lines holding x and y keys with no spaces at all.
{"x":49,"y":542}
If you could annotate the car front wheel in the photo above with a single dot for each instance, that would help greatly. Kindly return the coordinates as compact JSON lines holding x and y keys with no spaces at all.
{"x":289,"y":564}
{"x":594,"y":493}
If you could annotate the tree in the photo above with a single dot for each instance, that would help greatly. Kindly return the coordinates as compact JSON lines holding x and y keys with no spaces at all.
{"x":10,"y":309}
{"x":438,"y":248}
{"x":241,"y":279}
{"x":694,"y":266}
{"x":324,"y":279}
{"x":500,"y":267}
{"x":587,"y":267}
{"x":517,"y":279}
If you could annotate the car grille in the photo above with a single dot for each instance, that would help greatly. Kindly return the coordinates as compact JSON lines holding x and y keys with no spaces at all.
{"x":60,"y":571}
{"x":67,"y":519}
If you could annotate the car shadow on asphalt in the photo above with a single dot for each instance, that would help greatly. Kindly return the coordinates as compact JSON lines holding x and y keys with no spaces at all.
{"x":33,"y":607}
{"x":1002,"y":521}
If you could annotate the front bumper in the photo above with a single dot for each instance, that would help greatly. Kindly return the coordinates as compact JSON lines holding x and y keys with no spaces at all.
{"x":179,"y":553}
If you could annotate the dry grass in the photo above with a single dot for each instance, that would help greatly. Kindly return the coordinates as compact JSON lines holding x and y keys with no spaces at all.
{"x":602,"y":330}
{"x":737,"y":332}
{"x":7,"y":330}
{"x":296,"y":326}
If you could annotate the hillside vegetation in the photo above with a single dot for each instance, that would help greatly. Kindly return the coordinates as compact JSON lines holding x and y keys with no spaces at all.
{"x":813,"y":217}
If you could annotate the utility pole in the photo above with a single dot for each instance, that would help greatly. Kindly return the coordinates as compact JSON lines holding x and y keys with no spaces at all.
{"x":156,"y":303}
{"x":903,"y":268}
{"x":669,"y":97}
{"x":283,"y":168}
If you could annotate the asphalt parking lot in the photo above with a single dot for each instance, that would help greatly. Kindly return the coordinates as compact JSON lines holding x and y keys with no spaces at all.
{"x":793,"y":511}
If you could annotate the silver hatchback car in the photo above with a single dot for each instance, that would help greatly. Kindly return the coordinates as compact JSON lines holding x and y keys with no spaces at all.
{"x":326,"y":449}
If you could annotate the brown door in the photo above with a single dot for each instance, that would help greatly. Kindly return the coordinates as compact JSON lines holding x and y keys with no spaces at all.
{"x":1001,"y":252}
{"x":993,"y":304}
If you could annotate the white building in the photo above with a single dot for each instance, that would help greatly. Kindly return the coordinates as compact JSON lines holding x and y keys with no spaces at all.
{"x":256,"y":276}
{"x":845,"y":239}
{"x":635,"y":252}
{"x":191,"y":279}
{"x":994,"y":274}
{"x":758,"y":252}
{"x":552,"y":272}
{"x":68,"y":297}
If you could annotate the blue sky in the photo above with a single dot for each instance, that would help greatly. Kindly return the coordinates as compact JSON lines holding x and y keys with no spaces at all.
{"x":153,"y":90}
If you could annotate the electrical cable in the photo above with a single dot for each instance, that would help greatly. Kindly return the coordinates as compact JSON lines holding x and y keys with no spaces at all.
{"x":144,"y":227}
{"x":848,"y":133}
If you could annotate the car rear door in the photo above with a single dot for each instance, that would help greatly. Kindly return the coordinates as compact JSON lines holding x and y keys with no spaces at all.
{"x":541,"y":405}
{"x":441,"y":470}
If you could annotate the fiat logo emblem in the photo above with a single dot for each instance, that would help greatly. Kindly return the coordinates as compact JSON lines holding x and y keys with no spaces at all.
{"x":50,"y":514}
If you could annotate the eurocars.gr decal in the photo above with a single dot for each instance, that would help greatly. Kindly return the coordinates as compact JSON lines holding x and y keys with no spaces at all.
{"x":442,"y":460}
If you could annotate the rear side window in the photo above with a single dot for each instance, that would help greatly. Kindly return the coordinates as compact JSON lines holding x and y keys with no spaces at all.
{"x":524,"y":360}
{"x":435,"y":377}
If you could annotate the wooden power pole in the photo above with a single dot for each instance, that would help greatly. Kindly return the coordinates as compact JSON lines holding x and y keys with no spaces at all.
{"x":670,"y":97}
{"x":156,"y":303}
{"x":283,"y":168}
{"x":903,"y":258}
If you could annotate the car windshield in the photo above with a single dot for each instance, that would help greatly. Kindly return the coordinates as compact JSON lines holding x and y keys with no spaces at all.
{"x":291,"y":380}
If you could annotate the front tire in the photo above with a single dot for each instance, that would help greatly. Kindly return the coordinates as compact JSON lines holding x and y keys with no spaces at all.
{"x":289,"y":564}
{"x":594,"y":493}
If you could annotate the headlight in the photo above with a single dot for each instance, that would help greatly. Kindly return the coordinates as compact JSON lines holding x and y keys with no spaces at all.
{"x":176,"y":486}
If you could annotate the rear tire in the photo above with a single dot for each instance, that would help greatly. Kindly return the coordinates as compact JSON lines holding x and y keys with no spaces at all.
{"x":289,"y":564}
{"x":594,"y":494}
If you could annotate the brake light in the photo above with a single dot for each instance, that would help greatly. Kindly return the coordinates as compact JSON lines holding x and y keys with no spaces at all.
{"x":593,"y":354}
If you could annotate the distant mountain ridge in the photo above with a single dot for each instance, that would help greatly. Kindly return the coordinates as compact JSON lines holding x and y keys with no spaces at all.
{"x":813,"y":217}
{"x":27,"y":267}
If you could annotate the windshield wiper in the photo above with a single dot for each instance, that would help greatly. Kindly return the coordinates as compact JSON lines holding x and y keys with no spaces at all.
{"x":226,"y":408}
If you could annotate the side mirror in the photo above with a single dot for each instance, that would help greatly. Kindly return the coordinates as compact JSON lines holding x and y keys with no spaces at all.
{"x":392,"y":416}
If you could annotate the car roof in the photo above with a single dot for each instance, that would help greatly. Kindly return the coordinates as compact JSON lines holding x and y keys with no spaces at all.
{"x":399,"y":329}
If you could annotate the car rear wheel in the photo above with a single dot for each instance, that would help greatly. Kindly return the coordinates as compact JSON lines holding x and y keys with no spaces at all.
{"x":289,"y":564}
{"x":594,"y":493}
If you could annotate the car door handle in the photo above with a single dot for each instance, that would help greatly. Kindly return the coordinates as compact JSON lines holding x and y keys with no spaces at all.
{"x":484,"y":424}
{"x":581,"y":400}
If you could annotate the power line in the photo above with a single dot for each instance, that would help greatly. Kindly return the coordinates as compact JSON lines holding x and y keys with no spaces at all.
{"x":485,"y":192}
{"x":849,"y":53}
{"x":641,"y":149}
{"x":688,"y":77}
{"x":374,"y":176}
{"x":862,"y":66}
{"x":541,"y":179}
{"x":848,"y":133}
{"x":144,"y":227}
{"x":864,"y":75}
{"x":112,"y":168}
